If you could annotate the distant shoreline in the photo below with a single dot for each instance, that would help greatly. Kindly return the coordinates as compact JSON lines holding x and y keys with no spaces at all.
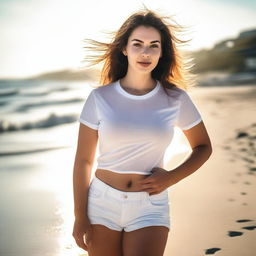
{"x":212,"y":78}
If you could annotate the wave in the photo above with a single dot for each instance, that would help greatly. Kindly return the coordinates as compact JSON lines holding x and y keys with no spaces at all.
{"x":30,"y":93}
{"x":30,"y":151}
{"x":50,"y":121}
{"x":3,"y":103}
{"x":8,"y":92}
{"x":26,"y":107}
{"x":44,"y":93}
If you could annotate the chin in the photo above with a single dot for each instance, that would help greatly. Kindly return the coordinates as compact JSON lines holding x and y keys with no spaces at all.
{"x":145,"y":71}
{"x":148,"y":69}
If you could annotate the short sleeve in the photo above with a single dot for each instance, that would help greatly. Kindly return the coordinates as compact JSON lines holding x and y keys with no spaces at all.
{"x":188,"y":115}
{"x":89,"y":116}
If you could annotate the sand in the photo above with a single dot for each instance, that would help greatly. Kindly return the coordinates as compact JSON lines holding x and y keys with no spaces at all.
{"x":213,"y":211}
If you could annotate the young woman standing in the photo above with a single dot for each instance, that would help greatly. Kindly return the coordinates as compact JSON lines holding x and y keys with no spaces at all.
{"x":124,"y":209}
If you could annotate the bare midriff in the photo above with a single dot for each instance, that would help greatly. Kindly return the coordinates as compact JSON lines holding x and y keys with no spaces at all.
{"x":125,"y":182}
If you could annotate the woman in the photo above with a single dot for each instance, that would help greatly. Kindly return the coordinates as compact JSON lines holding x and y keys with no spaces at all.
{"x":124,"y":210}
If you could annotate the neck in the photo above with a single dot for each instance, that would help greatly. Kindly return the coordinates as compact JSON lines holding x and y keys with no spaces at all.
{"x":138,"y":81}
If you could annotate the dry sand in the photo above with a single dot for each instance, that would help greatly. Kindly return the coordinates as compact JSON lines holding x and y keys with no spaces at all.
{"x":213,"y":211}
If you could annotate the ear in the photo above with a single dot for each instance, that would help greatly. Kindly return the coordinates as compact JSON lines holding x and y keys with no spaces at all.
{"x":124,"y":52}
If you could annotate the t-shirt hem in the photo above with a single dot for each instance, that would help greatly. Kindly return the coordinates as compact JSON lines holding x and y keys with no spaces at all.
{"x":192,"y":124}
{"x":123,"y":172}
{"x":93,"y":126}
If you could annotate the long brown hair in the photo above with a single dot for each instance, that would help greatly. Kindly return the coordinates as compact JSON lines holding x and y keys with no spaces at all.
{"x":172,"y":69}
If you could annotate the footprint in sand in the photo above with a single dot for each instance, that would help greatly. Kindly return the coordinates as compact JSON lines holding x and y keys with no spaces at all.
{"x":246,"y":151}
{"x":251,"y":144}
{"x":234,"y":233}
{"x":248,"y":160}
{"x":241,"y":135}
{"x":237,"y":233}
{"x":249,"y":227}
{"x":212,"y":250}
{"x":231,"y":234}
{"x":243,"y":220}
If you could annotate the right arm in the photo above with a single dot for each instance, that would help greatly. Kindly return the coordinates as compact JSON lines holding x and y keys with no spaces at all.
{"x":84,"y":159}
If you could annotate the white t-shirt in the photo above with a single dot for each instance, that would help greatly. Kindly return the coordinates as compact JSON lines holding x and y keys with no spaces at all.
{"x":135,"y":130}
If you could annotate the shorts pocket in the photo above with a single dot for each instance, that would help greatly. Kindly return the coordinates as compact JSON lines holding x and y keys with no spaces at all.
{"x":160,"y":199}
{"x":95,"y":192}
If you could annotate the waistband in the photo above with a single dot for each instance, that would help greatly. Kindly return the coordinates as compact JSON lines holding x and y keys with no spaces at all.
{"x":119,"y":193}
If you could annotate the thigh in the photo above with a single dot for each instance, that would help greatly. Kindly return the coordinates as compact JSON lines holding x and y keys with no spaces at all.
{"x":105,"y":241}
{"x":148,"y":241}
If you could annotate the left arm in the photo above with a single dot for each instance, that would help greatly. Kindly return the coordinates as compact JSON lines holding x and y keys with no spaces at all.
{"x":201,"y":150}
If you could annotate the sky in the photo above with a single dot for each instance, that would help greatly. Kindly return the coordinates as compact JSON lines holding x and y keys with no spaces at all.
{"x":40,"y":36}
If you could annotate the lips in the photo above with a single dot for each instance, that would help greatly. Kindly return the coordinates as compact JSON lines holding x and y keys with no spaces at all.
{"x":144,"y":64}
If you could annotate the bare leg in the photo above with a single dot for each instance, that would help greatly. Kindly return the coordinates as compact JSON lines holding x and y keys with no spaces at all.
{"x":148,"y":241}
{"x":105,"y":241}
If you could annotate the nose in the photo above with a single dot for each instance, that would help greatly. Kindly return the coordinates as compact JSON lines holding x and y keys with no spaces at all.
{"x":145,"y":52}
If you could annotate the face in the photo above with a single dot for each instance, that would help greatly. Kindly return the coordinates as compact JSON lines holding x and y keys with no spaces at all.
{"x":143,"y":49}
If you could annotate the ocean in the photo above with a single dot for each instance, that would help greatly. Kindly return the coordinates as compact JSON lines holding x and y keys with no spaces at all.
{"x":38,"y":135}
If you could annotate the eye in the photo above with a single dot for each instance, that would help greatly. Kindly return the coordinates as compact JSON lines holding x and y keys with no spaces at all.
{"x":137,"y":45}
{"x":154,"y":46}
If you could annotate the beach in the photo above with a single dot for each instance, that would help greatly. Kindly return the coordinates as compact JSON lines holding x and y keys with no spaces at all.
{"x":213,"y":211}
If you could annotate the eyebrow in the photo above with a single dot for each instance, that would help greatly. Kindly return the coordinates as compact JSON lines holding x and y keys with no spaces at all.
{"x":155,"y":41}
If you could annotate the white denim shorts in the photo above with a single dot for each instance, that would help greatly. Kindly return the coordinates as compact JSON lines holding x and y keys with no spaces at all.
{"x":128,"y":211}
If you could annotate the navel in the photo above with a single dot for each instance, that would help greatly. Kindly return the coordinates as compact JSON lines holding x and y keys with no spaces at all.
{"x":129,"y":184}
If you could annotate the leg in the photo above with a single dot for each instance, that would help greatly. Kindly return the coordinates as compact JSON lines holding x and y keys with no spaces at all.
{"x":105,"y":241}
{"x":148,"y":241}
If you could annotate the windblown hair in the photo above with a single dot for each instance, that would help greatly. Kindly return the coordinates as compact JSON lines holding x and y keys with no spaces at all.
{"x":172,"y":70}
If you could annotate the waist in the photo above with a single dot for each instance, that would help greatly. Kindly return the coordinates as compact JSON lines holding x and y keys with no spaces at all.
{"x":124,"y":182}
